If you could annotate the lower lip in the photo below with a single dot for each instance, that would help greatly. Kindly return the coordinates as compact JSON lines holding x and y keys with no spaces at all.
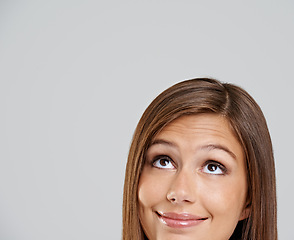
{"x":176,"y":223}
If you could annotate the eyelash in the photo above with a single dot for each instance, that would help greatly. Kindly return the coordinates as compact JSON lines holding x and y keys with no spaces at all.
{"x":162,"y":157}
{"x":220,"y":166}
{"x":217,"y":164}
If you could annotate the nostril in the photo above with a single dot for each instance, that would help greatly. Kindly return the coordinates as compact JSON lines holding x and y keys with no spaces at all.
{"x":171,"y":197}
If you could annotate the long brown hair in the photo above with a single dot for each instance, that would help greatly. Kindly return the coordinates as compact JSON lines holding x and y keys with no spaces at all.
{"x":205,"y":95}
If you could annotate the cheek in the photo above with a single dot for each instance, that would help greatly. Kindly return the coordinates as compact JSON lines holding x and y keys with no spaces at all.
{"x":151,"y":194}
{"x":152,"y":190}
{"x":226,"y":198}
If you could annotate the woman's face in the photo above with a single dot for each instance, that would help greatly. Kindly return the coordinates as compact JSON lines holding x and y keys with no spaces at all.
{"x":193,"y":185}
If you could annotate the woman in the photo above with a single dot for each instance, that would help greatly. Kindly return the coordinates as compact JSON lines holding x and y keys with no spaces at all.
{"x":201,"y":166}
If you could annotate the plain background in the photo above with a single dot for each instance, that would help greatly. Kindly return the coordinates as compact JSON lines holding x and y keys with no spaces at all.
{"x":75,"y":77}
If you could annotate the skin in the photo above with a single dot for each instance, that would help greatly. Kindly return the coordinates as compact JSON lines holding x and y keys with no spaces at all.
{"x":195,"y":165}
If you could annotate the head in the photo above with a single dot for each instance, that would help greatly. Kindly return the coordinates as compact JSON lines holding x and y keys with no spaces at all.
{"x":190,"y":104}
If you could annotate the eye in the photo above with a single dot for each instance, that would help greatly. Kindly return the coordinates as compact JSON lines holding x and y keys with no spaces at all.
{"x":163,"y":162}
{"x":212,"y":167}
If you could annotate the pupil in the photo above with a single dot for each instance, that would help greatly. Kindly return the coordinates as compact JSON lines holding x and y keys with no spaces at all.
{"x":163,"y":162}
{"x":211,"y":167}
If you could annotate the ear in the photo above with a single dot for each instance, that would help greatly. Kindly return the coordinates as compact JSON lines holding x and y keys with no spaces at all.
{"x":245,"y":213}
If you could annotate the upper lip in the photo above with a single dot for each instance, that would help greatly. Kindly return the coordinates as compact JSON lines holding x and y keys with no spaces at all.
{"x":180,"y":216}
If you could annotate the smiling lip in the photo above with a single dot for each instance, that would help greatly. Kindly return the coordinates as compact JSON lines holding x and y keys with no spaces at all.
{"x":182,"y":220}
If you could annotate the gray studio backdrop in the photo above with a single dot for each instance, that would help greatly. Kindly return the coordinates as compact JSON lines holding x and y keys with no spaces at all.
{"x":75,"y":76}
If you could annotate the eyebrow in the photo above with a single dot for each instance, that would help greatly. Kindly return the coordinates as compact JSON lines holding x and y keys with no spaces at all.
{"x":164,"y":142}
{"x":208,"y":147}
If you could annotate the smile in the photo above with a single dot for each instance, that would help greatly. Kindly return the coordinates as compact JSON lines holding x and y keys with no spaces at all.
{"x":183,"y":220}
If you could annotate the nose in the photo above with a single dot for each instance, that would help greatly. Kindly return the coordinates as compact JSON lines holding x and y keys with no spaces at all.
{"x":183,"y":188}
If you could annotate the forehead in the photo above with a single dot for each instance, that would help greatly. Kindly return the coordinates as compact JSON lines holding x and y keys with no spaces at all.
{"x":201,"y":123}
{"x":200,"y":129}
